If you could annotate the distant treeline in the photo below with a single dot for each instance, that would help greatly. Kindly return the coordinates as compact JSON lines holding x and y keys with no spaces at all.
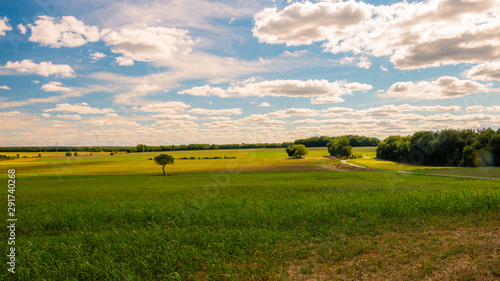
{"x":198,"y":146}
{"x":65,"y":149}
{"x":309,"y":142}
{"x":465,"y":148}
{"x":354,"y":141}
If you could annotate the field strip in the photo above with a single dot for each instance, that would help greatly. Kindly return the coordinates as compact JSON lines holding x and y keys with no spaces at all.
{"x":346,"y":161}
{"x":444,"y":175}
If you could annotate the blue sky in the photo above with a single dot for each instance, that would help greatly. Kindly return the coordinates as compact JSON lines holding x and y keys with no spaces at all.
{"x":177,"y":72}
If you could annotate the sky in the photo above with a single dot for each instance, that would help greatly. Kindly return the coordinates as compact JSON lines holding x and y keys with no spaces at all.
{"x":96,"y":72}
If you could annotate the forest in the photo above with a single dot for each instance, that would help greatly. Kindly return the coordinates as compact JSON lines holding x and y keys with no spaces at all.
{"x":464,"y":148}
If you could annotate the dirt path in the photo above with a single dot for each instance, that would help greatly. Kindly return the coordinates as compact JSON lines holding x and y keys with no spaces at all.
{"x":346,"y":161}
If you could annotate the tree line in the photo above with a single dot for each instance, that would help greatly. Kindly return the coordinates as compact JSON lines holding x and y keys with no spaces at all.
{"x":354,"y":141}
{"x":321,"y":141}
{"x":462,"y":148}
{"x":198,"y":146}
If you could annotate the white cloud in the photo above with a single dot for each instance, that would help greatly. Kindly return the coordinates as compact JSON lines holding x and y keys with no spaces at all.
{"x":4,"y":25}
{"x":489,"y":71}
{"x":181,"y":117}
{"x":97,"y":56}
{"x":383,"y":68}
{"x":35,"y":81}
{"x":22,"y":28}
{"x":111,"y":115}
{"x":171,"y":107}
{"x":330,"y":91}
{"x":445,"y":87}
{"x":3,"y":87}
{"x":55,"y":87}
{"x":44,"y":68}
{"x":305,"y":23}
{"x":63,"y":32}
{"x":416,"y":34}
{"x":45,"y":115}
{"x":69,"y":117}
{"x":285,"y":113}
{"x":324,"y":100}
{"x":480,"y":108}
{"x":10,"y":113}
{"x":364,"y":62}
{"x":217,"y":118}
{"x":124,"y":61}
{"x":149,"y":44}
{"x":264,"y":104}
{"x":176,"y":124}
{"x":229,"y":111}
{"x":80,"y":108}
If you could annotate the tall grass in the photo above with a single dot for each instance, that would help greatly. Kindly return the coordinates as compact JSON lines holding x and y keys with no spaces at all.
{"x":247,"y":226}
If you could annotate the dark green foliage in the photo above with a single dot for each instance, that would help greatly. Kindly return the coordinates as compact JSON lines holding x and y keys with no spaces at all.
{"x":466,"y":148}
{"x":68,"y":153}
{"x":296,"y":150}
{"x":354,"y":141}
{"x":164,"y":159}
{"x":340,"y":147}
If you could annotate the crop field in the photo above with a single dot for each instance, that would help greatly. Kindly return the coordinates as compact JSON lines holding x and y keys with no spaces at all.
{"x":259,"y":216}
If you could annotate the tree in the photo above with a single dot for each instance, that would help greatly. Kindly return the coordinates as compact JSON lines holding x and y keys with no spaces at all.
{"x":163,"y":160}
{"x":296,"y":150}
{"x":340,"y":147}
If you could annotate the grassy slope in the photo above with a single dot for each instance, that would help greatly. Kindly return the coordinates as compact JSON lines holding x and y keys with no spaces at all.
{"x":248,"y":225}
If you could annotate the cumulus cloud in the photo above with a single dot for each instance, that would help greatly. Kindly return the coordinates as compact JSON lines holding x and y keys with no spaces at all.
{"x":44,"y":68}
{"x":386,"y":110}
{"x":69,"y":117}
{"x":55,"y":87}
{"x":293,"y":112}
{"x":171,"y":107}
{"x":22,"y":28}
{"x":149,"y":44}
{"x":489,"y":71}
{"x":480,"y":108}
{"x":329,"y":91}
{"x":80,"y":108}
{"x":4,"y":25}
{"x":305,"y":23}
{"x":10,"y":113}
{"x":445,"y":87}
{"x":180,"y":117}
{"x":251,"y":122}
{"x":416,"y":34}
{"x":3,"y":87}
{"x":95,"y":56}
{"x":124,"y":61}
{"x":63,"y":32}
{"x":264,"y":104}
{"x":229,"y":111}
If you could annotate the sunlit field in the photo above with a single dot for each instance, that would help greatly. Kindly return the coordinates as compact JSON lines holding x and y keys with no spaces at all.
{"x":260,"y":216}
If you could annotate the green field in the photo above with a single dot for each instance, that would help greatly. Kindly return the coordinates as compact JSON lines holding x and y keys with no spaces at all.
{"x":260,"y":216}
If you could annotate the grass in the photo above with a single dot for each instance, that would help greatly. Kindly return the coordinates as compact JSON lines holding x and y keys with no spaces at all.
{"x":229,"y":222}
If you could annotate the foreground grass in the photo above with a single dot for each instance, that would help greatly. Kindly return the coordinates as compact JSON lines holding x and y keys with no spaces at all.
{"x":256,"y":226}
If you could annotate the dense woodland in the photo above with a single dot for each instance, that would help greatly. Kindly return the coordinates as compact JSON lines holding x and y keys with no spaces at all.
{"x":466,"y":148}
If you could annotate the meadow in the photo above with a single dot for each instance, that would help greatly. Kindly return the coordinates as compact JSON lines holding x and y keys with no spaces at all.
{"x":260,"y":216}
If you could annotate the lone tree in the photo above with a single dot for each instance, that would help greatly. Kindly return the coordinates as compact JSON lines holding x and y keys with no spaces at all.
{"x":296,"y":150}
{"x":163,"y":160}
{"x":340,"y":147}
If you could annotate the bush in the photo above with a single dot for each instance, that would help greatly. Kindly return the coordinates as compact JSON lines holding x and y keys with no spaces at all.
{"x":296,"y":150}
{"x":69,"y":153}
